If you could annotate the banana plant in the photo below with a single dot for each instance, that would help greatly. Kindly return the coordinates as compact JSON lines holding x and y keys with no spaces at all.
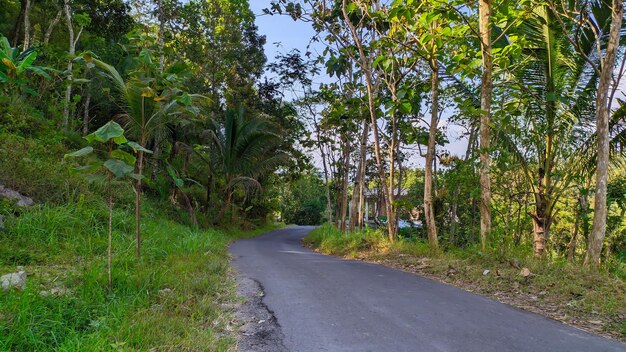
{"x":14,"y":66}
{"x":119,"y":164}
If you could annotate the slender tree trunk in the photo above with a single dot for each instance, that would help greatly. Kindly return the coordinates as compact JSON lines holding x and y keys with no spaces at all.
{"x":391,"y":216}
{"x":484,"y":9}
{"x":369,"y":84}
{"x":139,"y":185}
{"x":571,"y":248}
{"x":344,"y":185}
{"x":227,"y":200}
{"x":356,"y":201}
{"x":53,"y":24}
{"x":70,"y":64}
{"x":110,"y":237}
{"x":429,"y":211}
{"x":161,"y":40}
{"x":598,"y":230}
{"x":86,"y":112}
{"x":156,"y":160}
{"x":17,"y":25}
{"x":27,"y":25}
{"x":209,"y":188}
{"x":399,"y":185}
{"x":540,"y":223}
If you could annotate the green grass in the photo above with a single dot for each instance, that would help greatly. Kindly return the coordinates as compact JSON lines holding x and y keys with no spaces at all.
{"x":171,"y":299}
{"x":557,"y":288}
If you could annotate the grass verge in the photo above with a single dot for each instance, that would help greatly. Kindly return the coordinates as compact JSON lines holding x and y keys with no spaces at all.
{"x":556,"y":288}
{"x":173,"y":298}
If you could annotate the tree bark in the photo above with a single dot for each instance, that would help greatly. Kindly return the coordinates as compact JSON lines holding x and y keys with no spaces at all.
{"x":571,"y":247}
{"x":110,"y":237}
{"x":53,"y":24}
{"x":598,"y":230}
{"x":70,"y":64}
{"x":161,"y":40}
{"x":484,"y":9}
{"x":138,"y":187}
{"x":356,"y":201}
{"x":27,"y":25}
{"x":429,"y":211}
{"x":86,"y":112}
{"x":369,"y":84}
{"x":344,"y":184}
{"x":17,"y":25}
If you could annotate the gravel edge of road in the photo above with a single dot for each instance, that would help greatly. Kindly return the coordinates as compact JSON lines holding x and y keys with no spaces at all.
{"x":259,"y":329}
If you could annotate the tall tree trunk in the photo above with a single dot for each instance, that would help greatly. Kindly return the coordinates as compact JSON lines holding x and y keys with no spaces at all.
{"x":344,"y":184}
{"x":540,"y":222}
{"x":110,"y":237}
{"x":484,"y":9}
{"x":429,"y":210}
{"x":369,"y":84}
{"x":70,"y":64}
{"x":161,"y":40}
{"x":329,"y":206}
{"x":86,"y":112}
{"x":156,"y":157}
{"x":27,"y":25}
{"x":51,"y":26}
{"x":598,"y":230}
{"x":356,"y":201}
{"x":138,"y":186}
{"x":571,"y":247}
{"x":17,"y":25}
{"x":391,"y":217}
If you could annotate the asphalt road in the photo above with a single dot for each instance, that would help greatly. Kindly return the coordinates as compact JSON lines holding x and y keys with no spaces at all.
{"x":323,"y":303}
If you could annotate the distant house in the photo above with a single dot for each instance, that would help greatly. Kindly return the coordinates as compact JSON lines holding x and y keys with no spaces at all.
{"x":375,"y":206}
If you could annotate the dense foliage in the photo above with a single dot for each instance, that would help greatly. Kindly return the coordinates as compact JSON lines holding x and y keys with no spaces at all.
{"x":531,"y":90}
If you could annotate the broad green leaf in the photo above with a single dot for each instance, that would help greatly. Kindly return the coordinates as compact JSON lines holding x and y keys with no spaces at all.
{"x":86,"y":169}
{"x":41,"y":71}
{"x":120,"y":140}
{"x":111,"y":130}
{"x":124,"y":156}
{"x":26,"y":62}
{"x":118,"y":167}
{"x":82,"y":152}
{"x":137,"y":147}
{"x":177,"y":180}
{"x":136,"y":176}
{"x":406,"y":107}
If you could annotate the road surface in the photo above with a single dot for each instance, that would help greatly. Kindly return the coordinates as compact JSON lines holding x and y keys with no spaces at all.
{"x":323,"y":303}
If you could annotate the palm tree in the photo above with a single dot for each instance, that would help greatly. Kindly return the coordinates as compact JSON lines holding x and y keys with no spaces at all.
{"x":149,"y":110}
{"x":552,"y":135}
{"x":241,"y":151}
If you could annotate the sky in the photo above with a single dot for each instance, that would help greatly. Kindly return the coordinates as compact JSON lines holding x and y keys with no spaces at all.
{"x":283,"y":34}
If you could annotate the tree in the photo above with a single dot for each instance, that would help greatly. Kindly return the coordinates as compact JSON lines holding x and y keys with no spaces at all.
{"x":484,"y":20}
{"x":148,"y":106}
{"x":119,"y":165}
{"x":598,"y":231}
{"x":241,"y":151}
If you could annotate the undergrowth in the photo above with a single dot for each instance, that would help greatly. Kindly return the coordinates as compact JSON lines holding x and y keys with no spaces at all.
{"x":170,"y":299}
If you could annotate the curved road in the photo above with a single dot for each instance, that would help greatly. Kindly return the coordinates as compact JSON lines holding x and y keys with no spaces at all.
{"x":324,"y":303}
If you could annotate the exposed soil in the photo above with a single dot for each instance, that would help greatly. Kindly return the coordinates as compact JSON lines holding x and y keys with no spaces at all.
{"x":259,"y":330}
